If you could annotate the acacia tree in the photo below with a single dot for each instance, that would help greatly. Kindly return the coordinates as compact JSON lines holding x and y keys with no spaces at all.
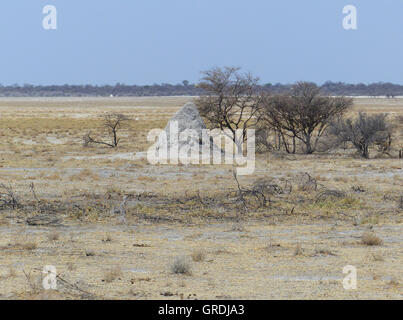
{"x":279,"y":114}
{"x":303,"y":114}
{"x":113,"y":122}
{"x":230,"y":101}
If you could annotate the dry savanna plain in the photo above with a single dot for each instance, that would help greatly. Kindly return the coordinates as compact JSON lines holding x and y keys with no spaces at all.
{"x":117,"y":227}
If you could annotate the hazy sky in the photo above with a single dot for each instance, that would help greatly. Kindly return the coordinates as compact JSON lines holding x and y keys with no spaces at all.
{"x":155,"y":41}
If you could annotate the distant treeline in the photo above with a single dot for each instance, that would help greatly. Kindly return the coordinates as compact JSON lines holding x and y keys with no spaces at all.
{"x":186,"y":89}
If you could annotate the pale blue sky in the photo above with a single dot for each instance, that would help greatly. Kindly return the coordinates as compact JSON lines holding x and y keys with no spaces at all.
{"x":155,"y":41}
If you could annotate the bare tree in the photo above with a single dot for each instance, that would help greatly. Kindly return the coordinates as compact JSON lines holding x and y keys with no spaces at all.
{"x":303,"y":114}
{"x":279,"y":114}
{"x":8,"y":198}
{"x":113,"y":122}
{"x":363,"y":132}
{"x":230,"y":101}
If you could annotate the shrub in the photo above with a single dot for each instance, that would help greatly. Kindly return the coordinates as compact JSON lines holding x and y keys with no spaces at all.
{"x":198,"y":256}
{"x":371,"y":239}
{"x":112,"y":274}
{"x":181,"y":266}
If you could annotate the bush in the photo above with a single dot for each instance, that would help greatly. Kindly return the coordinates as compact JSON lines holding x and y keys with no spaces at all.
{"x":363,"y":132}
{"x":181,"y":266}
{"x":371,"y":239}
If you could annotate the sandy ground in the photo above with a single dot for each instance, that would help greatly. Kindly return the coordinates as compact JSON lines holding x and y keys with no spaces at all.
{"x":265,"y":261}
{"x":295,"y":247}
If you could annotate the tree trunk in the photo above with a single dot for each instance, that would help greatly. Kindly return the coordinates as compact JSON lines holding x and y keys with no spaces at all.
{"x":308,"y":145}
{"x":115,"y":138}
{"x":365,"y":152}
{"x":285,"y":143}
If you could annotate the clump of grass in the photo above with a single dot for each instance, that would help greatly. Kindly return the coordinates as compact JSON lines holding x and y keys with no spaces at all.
{"x":54,"y":176}
{"x":198,"y":256}
{"x":371,"y":239}
{"x":112,"y":274}
{"x":342,"y":203}
{"x":221,"y":251}
{"x":29,"y":246}
{"x":325,"y":252}
{"x":53,"y":236}
{"x":298,"y":250}
{"x":181,"y":266}
{"x":145,"y":178}
{"x":35,"y":284}
{"x":394,"y":283}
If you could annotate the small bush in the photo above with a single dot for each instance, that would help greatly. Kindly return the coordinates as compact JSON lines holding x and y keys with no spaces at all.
{"x":181,"y":266}
{"x":298,"y":250}
{"x":29,"y":246}
{"x":394,"y":283}
{"x":371,"y":239}
{"x":198,"y":256}
{"x":112,"y":274}
{"x":53,"y":236}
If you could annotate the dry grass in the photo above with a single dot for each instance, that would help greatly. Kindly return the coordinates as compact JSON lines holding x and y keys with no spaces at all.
{"x":394,"y":283}
{"x":28,"y":246}
{"x":198,"y":256}
{"x":181,"y":266}
{"x":85,"y":174}
{"x":370,"y":239}
{"x":111,"y":275}
{"x":325,"y":252}
{"x":54,"y":236}
{"x":299,"y":251}
{"x":84,"y":185}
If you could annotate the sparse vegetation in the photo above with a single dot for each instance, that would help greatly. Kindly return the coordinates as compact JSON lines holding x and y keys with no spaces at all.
{"x":370,"y":239}
{"x":112,"y":274}
{"x":322,"y":201}
{"x":113,"y":123}
{"x":363,"y":132}
{"x":28,"y":246}
{"x":303,"y":114}
{"x":198,"y":256}
{"x":299,"y":251}
{"x":53,"y":236}
{"x":230,"y":101}
{"x":181,"y":266}
{"x":8,"y":198}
